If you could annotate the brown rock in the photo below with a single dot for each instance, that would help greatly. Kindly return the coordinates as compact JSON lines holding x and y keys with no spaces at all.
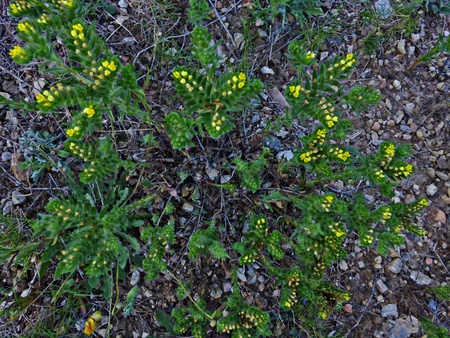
{"x":440,"y":216}
{"x":20,"y":174}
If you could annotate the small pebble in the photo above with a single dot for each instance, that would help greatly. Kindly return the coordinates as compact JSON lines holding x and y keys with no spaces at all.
{"x":389,"y":310}
{"x":431,"y":189}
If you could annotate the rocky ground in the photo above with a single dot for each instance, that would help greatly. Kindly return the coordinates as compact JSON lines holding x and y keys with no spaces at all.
{"x":389,"y":294}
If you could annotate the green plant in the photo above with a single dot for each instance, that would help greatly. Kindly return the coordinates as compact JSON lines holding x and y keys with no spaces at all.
{"x":249,"y":171}
{"x":206,"y":241}
{"x":88,"y":230}
{"x":443,"y":292}
{"x":321,"y":220}
{"x":441,"y":46}
{"x":300,"y":9}
{"x":206,"y":95}
{"x":198,"y":11}
{"x":95,"y":229}
{"x":437,"y":6}
{"x":433,"y":330}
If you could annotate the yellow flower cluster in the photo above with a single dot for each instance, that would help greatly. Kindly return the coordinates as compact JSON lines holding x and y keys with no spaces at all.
{"x":66,"y":213}
{"x":306,"y":157}
{"x":294,"y":279}
{"x":98,"y":74}
{"x":326,"y":204}
{"x":419,"y":205}
{"x":99,"y":262}
{"x":18,"y":54}
{"x":403,"y":171}
{"x":78,"y":151}
{"x":337,"y":230}
{"x":292,"y":300}
{"x":260,"y":223}
{"x":90,"y":170}
{"x":319,"y":139}
{"x":388,"y":151}
{"x":367,"y":239}
{"x":48,"y":97}
{"x":328,"y":110}
{"x":187,"y":79}
{"x":250,"y":257}
{"x":75,"y":131}
{"x":77,"y":32}
{"x":25,"y":27}
{"x":217,"y":121}
{"x":296,"y":90}
{"x":18,"y":7}
{"x":236,"y":82}
{"x":249,"y":320}
{"x":344,"y":63}
{"x":44,"y":19}
{"x":89,"y":111}
{"x":339,"y":153}
{"x":379,"y":174}
{"x":67,"y":3}
{"x":386,"y":213}
{"x":310,"y":155}
{"x":318,"y":269}
{"x":310,"y":55}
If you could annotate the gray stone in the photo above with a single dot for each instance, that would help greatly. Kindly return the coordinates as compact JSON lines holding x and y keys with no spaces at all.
{"x":188,"y":207}
{"x":404,"y":128}
{"x":7,"y":208}
{"x":18,"y":198}
{"x":6,"y":156}
{"x":442,"y":176}
{"x":409,"y":108}
{"x":389,"y":310}
{"x":383,"y":8}
{"x":381,"y":287}
{"x":395,"y":266}
{"x":420,"y":278}
{"x":431,"y":189}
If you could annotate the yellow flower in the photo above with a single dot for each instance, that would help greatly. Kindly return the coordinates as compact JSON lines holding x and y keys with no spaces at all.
{"x":17,"y":52}
{"x":306,"y":157}
{"x":310,"y":55}
{"x":92,"y":323}
{"x":89,"y":111}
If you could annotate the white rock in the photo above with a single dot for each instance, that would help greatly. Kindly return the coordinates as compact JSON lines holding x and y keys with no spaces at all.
{"x":123,"y":3}
{"x":383,"y":8}
{"x":381,"y":287}
{"x":323,"y":55}
{"x":267,"y":70}
{"x":389,"y":310}
{"x":411,"y":50}
{"x":420,"y":278}
{"x":188,"y":207}
{"x":343,"y":265}
{"x":212,"y":173}
{"x":18,"y":198}
{"x":388,"y":104}
{"x":397,"y":84}
{"x":239,"y":40}
{"x":401,"y":46}
{"x":415,"y":37}
{"x":409,"y":108}
{"x":431,"y":189}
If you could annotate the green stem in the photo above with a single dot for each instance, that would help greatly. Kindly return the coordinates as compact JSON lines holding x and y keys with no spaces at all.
{"x":189,"y":296}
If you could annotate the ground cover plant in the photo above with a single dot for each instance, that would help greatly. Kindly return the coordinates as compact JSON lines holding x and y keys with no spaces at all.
{"x":104,"y":226}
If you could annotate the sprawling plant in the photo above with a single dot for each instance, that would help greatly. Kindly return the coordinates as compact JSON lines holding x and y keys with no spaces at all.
{"x":93,"y":230}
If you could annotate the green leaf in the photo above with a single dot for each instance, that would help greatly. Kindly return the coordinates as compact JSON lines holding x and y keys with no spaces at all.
{"x":165,"y":320}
